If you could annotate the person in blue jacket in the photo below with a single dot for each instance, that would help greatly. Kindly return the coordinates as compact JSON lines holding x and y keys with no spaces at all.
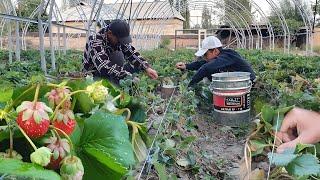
{"x":212,"y":58}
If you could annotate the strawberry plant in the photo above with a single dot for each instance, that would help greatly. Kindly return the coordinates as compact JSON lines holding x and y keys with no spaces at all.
{"x":104,"y":126}
{"x":96,"y":134}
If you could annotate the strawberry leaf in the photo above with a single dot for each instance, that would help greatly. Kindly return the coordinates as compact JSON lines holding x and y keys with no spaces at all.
{"x":22,"y":170}
{"x":267,"y":113}
{"x":281,"y":159}
{"x":83,"y":101}
{"x":257,"y":147}
{"x":104,"y":147}
{"x":304,"y":165}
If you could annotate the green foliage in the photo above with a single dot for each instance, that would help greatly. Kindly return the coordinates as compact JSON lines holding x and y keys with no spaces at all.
{"x":183,"y":8}
{"x":206,"y":18}
{"x":283,"y":81}
{"x":297,"y":165}
{"x":16,"y":169}
{"x":82,"y":101}
{"x":293,"y":25}
{"x":161,"y":169}
{"x":21,"y":73}
{"x":6,"y":91}
{"x":165,"y":42}
{"x":241,"y":14}
{"x":304,"y":165}
{"x":281,"y":159}
{"x":291,"y":13}
{"x":104,"y":146}
{"x":26,"y":7}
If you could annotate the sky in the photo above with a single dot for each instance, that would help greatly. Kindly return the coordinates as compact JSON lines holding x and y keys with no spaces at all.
{"x":263,"y":4}
{"x":196,"y":14}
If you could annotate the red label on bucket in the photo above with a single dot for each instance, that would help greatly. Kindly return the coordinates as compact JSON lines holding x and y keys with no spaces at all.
{"x":232,"y":103}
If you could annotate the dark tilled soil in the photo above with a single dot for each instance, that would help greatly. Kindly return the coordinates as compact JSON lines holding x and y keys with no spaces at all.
{"x":218,"y":149}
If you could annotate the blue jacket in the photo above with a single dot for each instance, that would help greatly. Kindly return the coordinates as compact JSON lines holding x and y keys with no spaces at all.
{"x":227,"y":61}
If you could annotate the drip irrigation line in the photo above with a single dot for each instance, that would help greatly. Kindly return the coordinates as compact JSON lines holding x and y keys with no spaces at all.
{"x":157,"y":133}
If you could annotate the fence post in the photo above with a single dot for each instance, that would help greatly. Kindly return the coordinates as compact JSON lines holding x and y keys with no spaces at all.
{"x":53,"y":58}
{"x":10,"y":42}
{"x":175,"y":39}
{"x":17,"y":41}
{"x":41,"y":39}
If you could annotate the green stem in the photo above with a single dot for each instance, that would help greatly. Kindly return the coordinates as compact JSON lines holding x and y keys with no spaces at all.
{"x":36,"y":95}
{"x":116,"y":98}
{"x":3,"y":127}
{"x":53,"y":116}
{"x":53,"y":85}
{"x":11,"y":142}
{"x":58,"y":85}
{"x":66,"y":135}
{"x":74,"y":101}
{"x":8,"y":109}
{"x":27,"y":137}
{"x":120,"y":111}
{"x":56,"y":133}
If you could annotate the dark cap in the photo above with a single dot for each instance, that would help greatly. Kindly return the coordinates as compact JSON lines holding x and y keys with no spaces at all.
{"x":121,"y":30}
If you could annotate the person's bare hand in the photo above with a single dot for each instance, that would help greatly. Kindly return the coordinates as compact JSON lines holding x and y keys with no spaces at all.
{"x":181,"y":65}
{"x":152,"y":73}
{"x":299,"y":126}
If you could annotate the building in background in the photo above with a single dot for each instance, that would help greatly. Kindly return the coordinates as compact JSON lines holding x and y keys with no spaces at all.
{"x":147,"y":18}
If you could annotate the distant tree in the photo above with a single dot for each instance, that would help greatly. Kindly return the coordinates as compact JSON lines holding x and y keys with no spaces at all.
{"x":206,"y":18}
{"x":186,"y":15}
{"x":291,"y":13}
{"x":197,"y":26}
{"x":182,"y":7}
{"x":316,"y":11}
{"x":25,"y":9}
{"x":241,"y":11}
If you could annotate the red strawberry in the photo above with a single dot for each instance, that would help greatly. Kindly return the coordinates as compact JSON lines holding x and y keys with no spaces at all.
{"x":33,"y":119}
{"x":65,"y":121}
{"x":60,"y":148}
{"x":54,"y":163}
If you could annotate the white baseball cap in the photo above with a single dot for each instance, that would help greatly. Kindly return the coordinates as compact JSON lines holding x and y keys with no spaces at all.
{"x":210,"y":42}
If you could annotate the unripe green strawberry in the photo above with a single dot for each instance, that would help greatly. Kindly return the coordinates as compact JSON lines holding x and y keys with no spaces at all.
{"x":41,"y":156}
{"x":97,"y":92}
{"x":71,"y":168}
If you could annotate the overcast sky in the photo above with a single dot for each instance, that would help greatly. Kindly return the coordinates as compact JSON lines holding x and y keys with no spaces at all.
{"x":263,"y":4}
{"x":196,"y":14}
